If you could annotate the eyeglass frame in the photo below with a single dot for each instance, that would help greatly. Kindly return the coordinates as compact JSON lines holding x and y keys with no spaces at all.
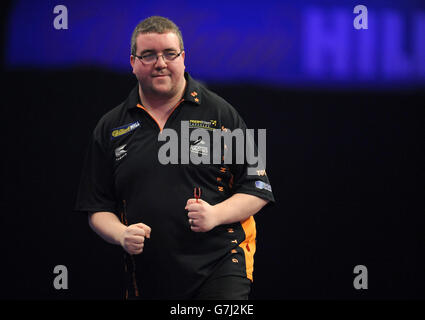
{"x":157,"y":57}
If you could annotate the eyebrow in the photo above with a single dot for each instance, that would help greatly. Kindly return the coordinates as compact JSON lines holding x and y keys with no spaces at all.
{"x":153,"y":51}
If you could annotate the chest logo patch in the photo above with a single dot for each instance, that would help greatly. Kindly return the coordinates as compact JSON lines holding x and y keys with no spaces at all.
{"x":120,"y":131}
{"x":209,"y":125}
{"x":120,"y":152}
{"x":199,"y":147}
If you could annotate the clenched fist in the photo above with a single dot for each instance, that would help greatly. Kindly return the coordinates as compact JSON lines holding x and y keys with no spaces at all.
{"x":202,"y":216}
{"x":133,"y":237}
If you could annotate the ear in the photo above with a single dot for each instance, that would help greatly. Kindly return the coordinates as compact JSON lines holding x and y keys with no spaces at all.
{"x":132,"y":61}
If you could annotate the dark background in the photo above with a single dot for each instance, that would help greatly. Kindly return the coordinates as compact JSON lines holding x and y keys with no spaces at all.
{"x":346,"y":167}
{"x":346,"y":170}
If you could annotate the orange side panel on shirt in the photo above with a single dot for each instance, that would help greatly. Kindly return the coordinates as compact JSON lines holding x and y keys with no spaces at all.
{"x":248,"y":245}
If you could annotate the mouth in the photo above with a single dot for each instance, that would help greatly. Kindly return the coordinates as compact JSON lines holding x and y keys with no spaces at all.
{"x":160,"y":75}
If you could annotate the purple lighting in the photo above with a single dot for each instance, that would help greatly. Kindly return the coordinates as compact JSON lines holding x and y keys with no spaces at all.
{"x":276,"y":43}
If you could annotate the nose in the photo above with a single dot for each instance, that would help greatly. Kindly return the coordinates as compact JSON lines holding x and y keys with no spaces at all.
{"x":160,"y":62}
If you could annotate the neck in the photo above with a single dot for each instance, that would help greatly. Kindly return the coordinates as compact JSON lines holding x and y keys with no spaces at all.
{"x":161,"y":103}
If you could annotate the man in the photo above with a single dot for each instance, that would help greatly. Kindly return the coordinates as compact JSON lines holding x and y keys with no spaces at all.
{"x":177,"y":246}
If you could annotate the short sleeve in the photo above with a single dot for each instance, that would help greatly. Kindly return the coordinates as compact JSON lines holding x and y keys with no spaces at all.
{"x":250,"y":177}
{"x":96,"y":189}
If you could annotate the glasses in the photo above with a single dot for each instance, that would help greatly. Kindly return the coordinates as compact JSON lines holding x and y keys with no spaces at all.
{"x":151,"y":58}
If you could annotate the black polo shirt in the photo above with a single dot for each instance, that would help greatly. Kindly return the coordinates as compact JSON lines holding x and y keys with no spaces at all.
{"x":122,"y":174}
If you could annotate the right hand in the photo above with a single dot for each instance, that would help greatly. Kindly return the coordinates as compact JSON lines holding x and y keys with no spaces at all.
{"x":133,"y":237}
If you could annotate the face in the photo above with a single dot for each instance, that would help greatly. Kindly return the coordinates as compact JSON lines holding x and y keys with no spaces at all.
{"x":162,"y":78}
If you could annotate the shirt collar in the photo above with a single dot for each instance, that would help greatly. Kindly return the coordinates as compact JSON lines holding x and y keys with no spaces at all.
{"x":193,"y":90}
{"x":192,"y":93}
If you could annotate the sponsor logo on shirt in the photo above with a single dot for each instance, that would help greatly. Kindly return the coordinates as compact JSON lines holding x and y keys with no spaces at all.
{"x":120,"y":152}
{"x":199,"y":147}
{"x":209,"y":125}
{"x":120,"y":131}
{"x":185,"y":147}
{"x":262,"y":185}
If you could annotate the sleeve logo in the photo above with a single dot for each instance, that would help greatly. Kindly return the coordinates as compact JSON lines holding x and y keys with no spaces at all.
{"x":262,"y":185}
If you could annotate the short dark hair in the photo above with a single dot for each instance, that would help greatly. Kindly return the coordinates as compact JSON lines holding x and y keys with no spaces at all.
{"x":155,"y":24}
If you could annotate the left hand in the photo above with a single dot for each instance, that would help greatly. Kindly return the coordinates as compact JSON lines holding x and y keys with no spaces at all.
{"x":202,"y":216}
